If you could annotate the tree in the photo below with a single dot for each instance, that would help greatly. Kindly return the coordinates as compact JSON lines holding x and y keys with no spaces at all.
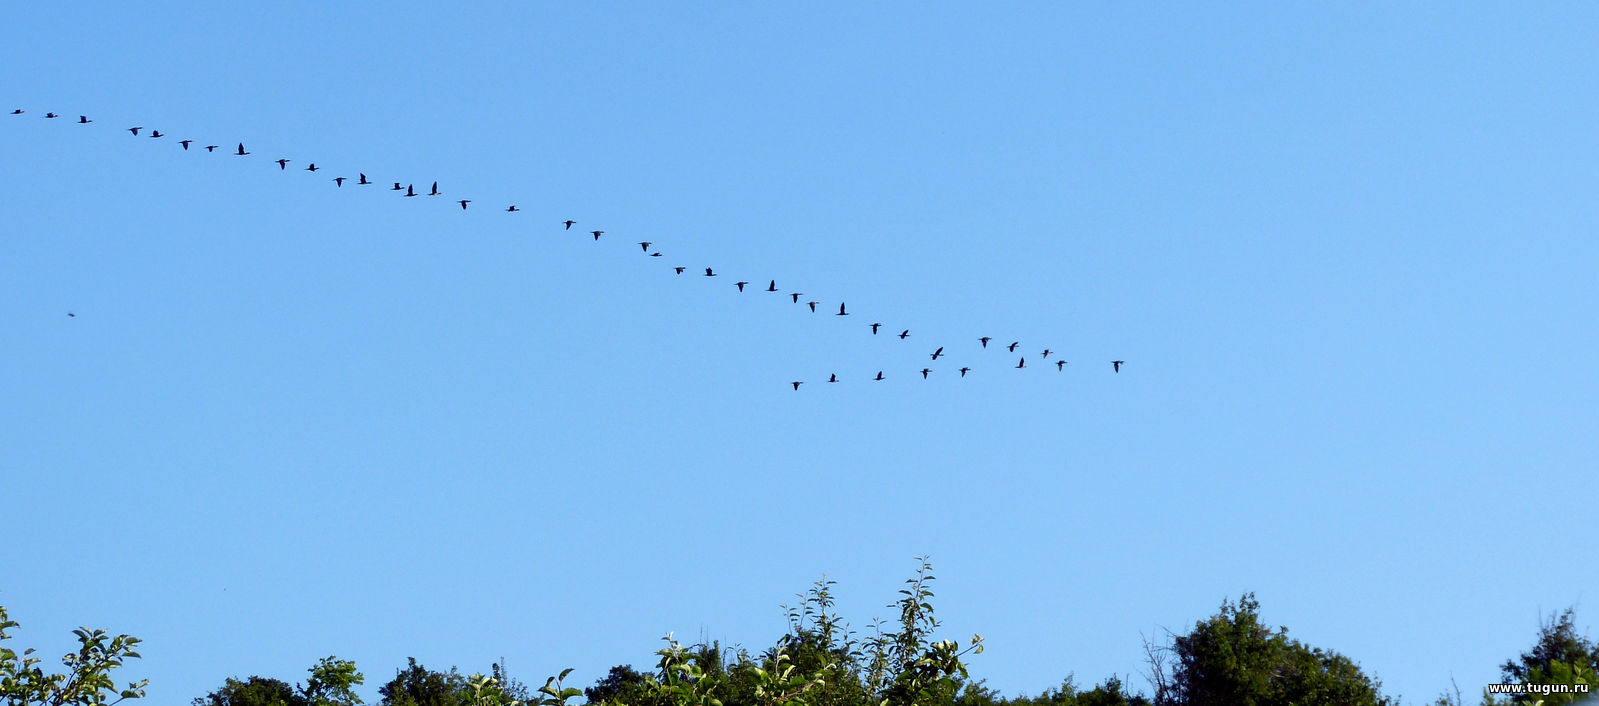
{"x":332,"y":683}
{"x":419,"y":686}
{"x":1559,"y":656}
{"x":87,"y":681}
{"x":255,"y":691}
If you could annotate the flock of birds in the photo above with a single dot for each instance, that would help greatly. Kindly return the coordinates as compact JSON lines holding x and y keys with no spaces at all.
{"x":409,"y":191}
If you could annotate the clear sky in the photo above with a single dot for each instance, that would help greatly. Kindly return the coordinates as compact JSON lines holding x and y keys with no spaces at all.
{"x":1347,"y":253}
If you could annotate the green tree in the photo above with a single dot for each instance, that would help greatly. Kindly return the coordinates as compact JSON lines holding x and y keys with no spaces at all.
{"x":87,"y":680}
{"x":419,"y":686}
{"x":255,"y":691}
{"x":332,"y":683}
{"x":1559,"y":655}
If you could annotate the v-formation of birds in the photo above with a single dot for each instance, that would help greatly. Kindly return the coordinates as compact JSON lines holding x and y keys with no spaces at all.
{"x":644,"y":246}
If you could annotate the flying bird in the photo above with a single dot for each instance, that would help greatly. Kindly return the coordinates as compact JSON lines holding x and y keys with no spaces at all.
{"x":72,"y":315}
{"x":185,"y":144}
{"x":796,"y":296}
{"x":363,"y":180}
{"x":680,"y":269}
{"x":740,"y":285}
{"x":984,"y":340}
{"x":18,"y":111}
{"x":435,"y":191}
{"x":338,"y":181}
{"x":1116,"y":365}
{"x":511,"y":208}
{"x":938,"y":352}
{"x":813,"y":306}
{"x":50,"y":115}
{"x":904,"y":334}
{"x":241,"y":151}
{"x":1021,"y":363}
{"x":709,"y":273}
{"x":1012,"y":346}
{"x":874,"y":329}
{"x":155,"y":133}
{"x":796,"y":384}
{"x":84,"y":120}
{"x":772,"y":287}
{"x":397,"y":187}
{"x":925,"y":371}
{"x":410,"y":190}
{"x":211,"y":148}
{"x":655,"y":254}
{"x":463,"y":203}
{"x":283,"y":164}
{"x":597,"y":233}
{"x":569,"y":224}
{"x":645,"y":246}
{"x":311,"y":168}
{"x":1046,"y":353}
{"x":964,"y":371}
{"x":134,"y":130}
{"x":832,"y":378}
{"x":1060,"y":365}
{"x":879,"y":375}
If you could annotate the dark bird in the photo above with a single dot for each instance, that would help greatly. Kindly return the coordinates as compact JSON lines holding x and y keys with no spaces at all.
{"x":645,"y":245}
{"x":410,"y":190}
{"x":874,"y":329}
{"x":1012,"y":346}
{"x":795,"y":296}
{"x":72,"y":315}
{"x":984,"y":340}
{"x":463,"y":203}
{"x":338,"y":181}
{"x":211,"y":148}
{"x":135,"y":130}
{"x":155,"y":133}
{"x":569,"y":224}
{"x":772,"y":287}
{"x":740,"y":285}
{"x":655,"y":254}
{"x":925,"y":371}
{"x":680,"y":269}
{"x":796,"y":384}
{"x":1060,"y":365}
{"x":311,"y":168}
{"x":964,"y":371}
{"x":1116,"y":365}
{"x":709,"y":273}
{"x":435,"y":191}
{"x":362,"y":180}
{"x":904,"y":334}
{"x":283,"y":164}
{"x":813,"y":306}
{"x":84,"y":120}
{"x":397,"y":187}
{"x":18,"y":111}
{"x":841,"y":311}
{"x":938,"y":352}
{"x":1046,"y":353}
{"x":241,"y":151}
{"x":879,"y":375}
{"x":597,"y":233}
{"x":1021,"y":363}
{"x":185,"y":144}
{"x":511,"y":208}
{"x":832,"y":378}
{"x":50,"y":115}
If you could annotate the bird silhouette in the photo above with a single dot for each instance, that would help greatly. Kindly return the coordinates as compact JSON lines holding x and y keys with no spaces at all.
{"x":410,"y":190}
{"x":964,"y":371}
{"x":879,"y":375}
{"x":984,"y":340}
{"x":1046,"y":353}
{"x":1060,"y":365}
{"x":155,"y":133}
{"x":1012,"y":346}
{"x":185,"y":144}
{"x":813,"y":306}
{"x":925,"y":371}
{"x":832,"y":378}
{"x":772,"y":287}
{"x":134,"y":130}
{"x":841,"y":311}
{"x":740,"y":285}
{"x":1021,"y":363}
{"x":680,"y":269}
{"x":283,"y":164}
{"x":71,"y":315}
{"x":709,"y":273}
{"x":311,"y":168}
{"x":938,"y":352}
{"x":655,"y":254}
{"x":363,"y":180}
{"x":597,"y":233}
{"x":645,"y":246}
{"x":904,"y":334}
{"x":1116,"y":365}
{"x":463,"y":203}
{"x":511,"y":208}
{"x":48,"y":116}
{"x":795,"y":296}
{"x":84,"y":120}
{"x":796,"y":384}
{"x":211,"y":148}
{"x":338,"y":181}
{"x":435,"y":191}
{"x":569,"y":224}
{"x":18,"y":111}
{"x":397,"y":187}
{"x":241,"y":151}
{"x":874,"y":329}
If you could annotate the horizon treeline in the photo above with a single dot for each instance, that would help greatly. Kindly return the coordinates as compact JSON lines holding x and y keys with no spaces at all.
{"x":1231,"y":658}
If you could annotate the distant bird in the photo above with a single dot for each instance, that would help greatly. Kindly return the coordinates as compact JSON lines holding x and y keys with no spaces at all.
{"x":740,"y":285}
{"x":984,"y":340}
{"x":569,"y":224}
{"x":1012,"y":346}
{"x":832,"y":378}
{"x":874,"y":329}
{"x":18,"y":111}
{"x":925,"y":371}
{"x":841,"y":311}
{"x":463,"y":203}
{"x":813,"y":306}
{"x":904,"y":334}
{"x":511,"y":208}
{"x":397,"y":187}
{"x":50,"y":115}
{"x":597,"y":233}
{"x":71,"y":315}
{"x":363,"y":180}
{"x":155,"y":133}
{"x":655,"y":254}
{"x":211,"y":148}
{"x":879,"y":375}
{"x":283,"y":164}
{"x":84,"y":120}
{"x":134,"y":130}
{"x":796,"y":384}
{"x":772,"y":287}
{"x":311,"y":168}
{"x":435,"y":191}
{"x":795,"y":296}
{"x":1060,"y":365}
{"x":964,"y":371}
{"x":1021,"y":363}
{"x":645,"y":246}
{"x":338,"y":181}
{"x":185,"y":144}
{"x":410,"y":190}
{"x":709,"y":273}
{"x":1046,"y":353}
{"x":1116,"y":365}
{"x":241,"y":151}
{"x":938,"y":352}
{"x":680,"y":269}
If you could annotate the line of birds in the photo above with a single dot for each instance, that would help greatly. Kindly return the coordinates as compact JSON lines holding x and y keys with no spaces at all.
{"x":410,"y":191}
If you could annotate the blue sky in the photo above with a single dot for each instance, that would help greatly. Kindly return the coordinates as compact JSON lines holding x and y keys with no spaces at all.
{"x":1347,"y":253}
